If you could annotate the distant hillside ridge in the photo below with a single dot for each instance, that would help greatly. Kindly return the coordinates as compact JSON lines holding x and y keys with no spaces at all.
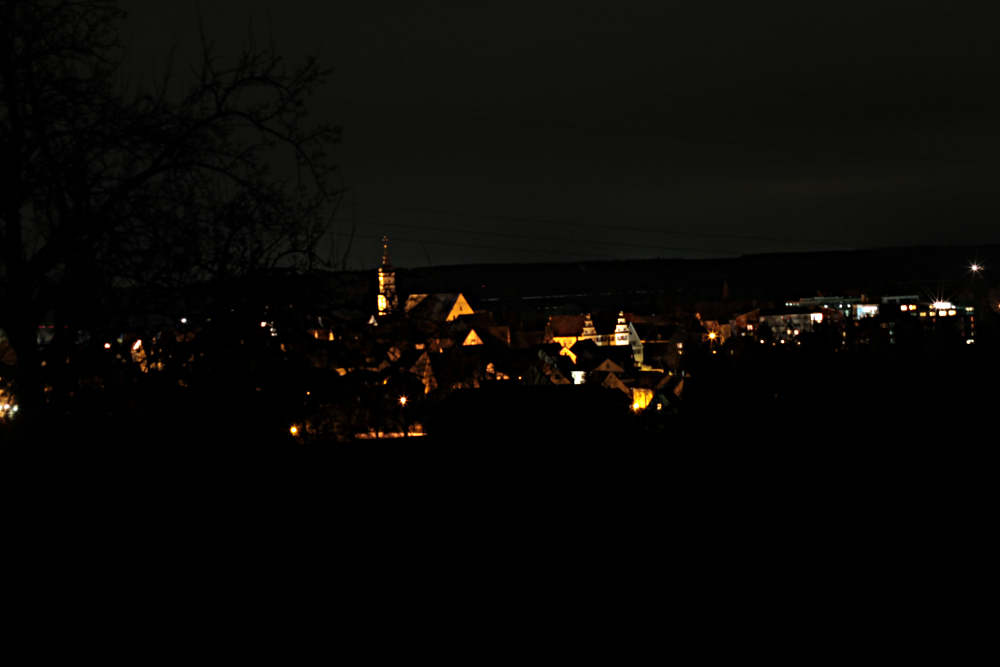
{"x":772,"y":276}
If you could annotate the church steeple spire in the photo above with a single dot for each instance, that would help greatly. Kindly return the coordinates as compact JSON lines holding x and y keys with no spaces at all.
{"x":385,"y":251}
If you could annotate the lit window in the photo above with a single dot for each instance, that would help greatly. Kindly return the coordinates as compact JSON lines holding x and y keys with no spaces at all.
{"x":902,"y":307}
{"x":951,"y":312}
{"x":923,"y":314}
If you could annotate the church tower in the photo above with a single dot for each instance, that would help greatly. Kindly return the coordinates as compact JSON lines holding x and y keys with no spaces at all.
{"x":387,"y":300}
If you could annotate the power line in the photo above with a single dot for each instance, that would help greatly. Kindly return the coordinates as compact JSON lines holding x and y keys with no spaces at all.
{"x":492,"y":247}
{"x":552,"y":238}
{"x":605,"y":227}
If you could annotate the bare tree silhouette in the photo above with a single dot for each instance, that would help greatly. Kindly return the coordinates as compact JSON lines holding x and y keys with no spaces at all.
{"x":117,"y":196}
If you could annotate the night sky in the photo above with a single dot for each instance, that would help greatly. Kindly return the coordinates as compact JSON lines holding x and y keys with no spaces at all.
{"x":528,"y":131}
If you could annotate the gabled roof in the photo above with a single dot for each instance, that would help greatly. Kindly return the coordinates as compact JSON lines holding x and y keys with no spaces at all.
{"x":488,"y":336}
{"x":651,"y":379}
{"x":611,"y":381}
{"x":473,"y":338}
{"x":586,"y":349}
{"x":609,"y":366}
{"x":619,"y":354}
{"x":648,"y":332}
{"x":523,"y":339}
{"x":437,"y":307}
{"x":566,"y":325}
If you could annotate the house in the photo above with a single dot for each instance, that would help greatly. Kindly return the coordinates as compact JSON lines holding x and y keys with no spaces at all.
{"x":787,"y":322}
{"x":437,"y":307}
{"x":568,"y":329}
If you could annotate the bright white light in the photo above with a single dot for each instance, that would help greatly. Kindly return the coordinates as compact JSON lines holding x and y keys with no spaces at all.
{"x":402,"y":400}
{"x":137,"y":344}
{"x":184,"y":320}
{"x":976,"y":267}
{"x":107,"y":346}
{"x":942,"y":305}
{"x":263,"y":324}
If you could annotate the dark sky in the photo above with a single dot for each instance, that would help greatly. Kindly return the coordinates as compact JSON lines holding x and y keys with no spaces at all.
{"x":544,"y":131}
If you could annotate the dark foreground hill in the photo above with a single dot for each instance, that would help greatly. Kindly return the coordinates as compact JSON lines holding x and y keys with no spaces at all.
{"x":842,"y":515}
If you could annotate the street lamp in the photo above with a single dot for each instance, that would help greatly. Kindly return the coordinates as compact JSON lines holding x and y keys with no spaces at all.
{"x":402,"y":416}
